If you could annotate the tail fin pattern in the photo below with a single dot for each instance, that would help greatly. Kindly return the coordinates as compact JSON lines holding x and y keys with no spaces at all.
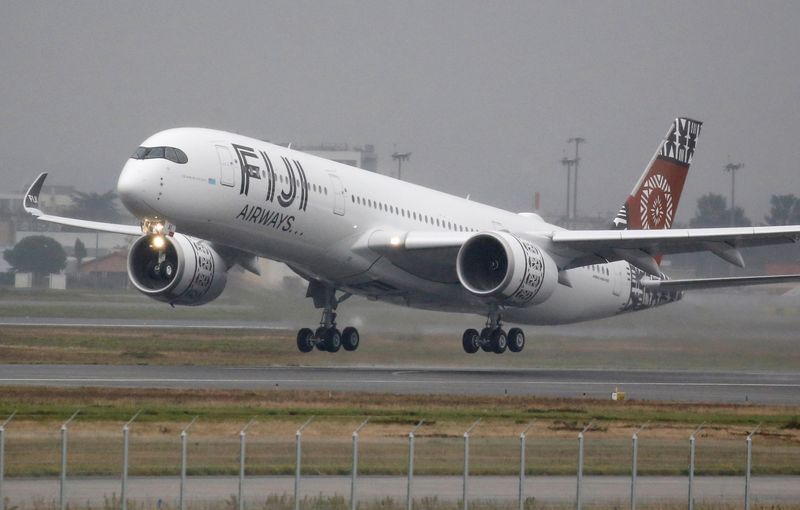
{"x":654,"y":200}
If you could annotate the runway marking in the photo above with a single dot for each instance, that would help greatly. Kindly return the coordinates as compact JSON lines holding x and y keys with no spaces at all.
{"x":384,"y":381}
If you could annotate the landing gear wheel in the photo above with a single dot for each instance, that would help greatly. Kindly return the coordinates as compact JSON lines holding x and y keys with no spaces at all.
{"x":305,"y":340}
{"x":516,"y":340}
{"x":319,"y":335}
{"x":499,"y":341}
{"x":333,"y":340}
{"x":350,"y":339}
{"x":486,"y":340}
{"x":471,"y":341}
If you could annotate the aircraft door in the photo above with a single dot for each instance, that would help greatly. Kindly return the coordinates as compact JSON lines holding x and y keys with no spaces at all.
{"x":338,"y":195}
{"x":227,"y":168}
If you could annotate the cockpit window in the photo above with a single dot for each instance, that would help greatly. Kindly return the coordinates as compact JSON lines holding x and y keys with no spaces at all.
{"x":155,"y":153}
{"x":171,"y":153}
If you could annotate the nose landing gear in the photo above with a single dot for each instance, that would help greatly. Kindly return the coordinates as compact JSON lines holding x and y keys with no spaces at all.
{"x":493,"y":337}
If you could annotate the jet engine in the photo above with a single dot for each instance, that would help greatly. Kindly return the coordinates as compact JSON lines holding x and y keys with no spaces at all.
{"x":504,"y":268}
{"x":177,"y":269}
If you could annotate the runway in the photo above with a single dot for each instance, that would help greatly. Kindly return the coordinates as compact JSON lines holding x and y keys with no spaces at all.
{"x":682,"y":386}
{"x":549,"y":489}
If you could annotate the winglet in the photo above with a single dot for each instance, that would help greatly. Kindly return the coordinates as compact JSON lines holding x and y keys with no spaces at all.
{"x":31,"y":201}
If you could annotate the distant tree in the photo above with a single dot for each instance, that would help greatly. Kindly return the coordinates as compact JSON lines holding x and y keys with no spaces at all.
{"x":40,"y":255}
{"x":785,"y":210}
{"x":80,"y":250}
{"x":95,"y":206}
{"x":713,"y":211}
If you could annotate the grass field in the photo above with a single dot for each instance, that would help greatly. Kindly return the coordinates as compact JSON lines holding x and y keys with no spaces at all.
{"x":733,"y":332}
{"x":32,"y":439}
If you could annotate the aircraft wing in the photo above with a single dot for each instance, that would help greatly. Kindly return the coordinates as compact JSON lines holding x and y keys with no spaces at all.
{"x":428,"y":255}
{"x":432,"y":255}
{"x":640,"y":247}
{"x":31,"y":205}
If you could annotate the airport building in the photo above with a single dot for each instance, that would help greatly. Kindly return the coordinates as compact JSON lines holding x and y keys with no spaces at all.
{"x":363,"y":157}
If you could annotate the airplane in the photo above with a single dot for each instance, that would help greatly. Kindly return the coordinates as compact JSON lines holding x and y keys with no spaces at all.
{"x":208,"y":200}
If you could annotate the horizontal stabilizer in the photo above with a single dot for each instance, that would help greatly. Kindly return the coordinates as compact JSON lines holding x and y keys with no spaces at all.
{"x":718,"y":283}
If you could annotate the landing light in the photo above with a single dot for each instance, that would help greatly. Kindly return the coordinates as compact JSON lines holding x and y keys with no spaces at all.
{"x":394,"y":241}
{"x":158,"y":242}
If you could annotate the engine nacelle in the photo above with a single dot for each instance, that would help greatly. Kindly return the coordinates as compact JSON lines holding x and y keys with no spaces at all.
{"x":506,"y":269}
{"x":177,"y":269}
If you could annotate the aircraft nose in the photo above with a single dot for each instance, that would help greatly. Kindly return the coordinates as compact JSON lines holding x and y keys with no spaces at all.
{"x":132,"y":187}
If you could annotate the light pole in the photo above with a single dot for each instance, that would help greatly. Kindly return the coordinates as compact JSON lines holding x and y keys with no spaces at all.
{"x":733,"y":168}
{"x":568,"y":163}
{"x":577,"y":141}
{"x":400,"y":157}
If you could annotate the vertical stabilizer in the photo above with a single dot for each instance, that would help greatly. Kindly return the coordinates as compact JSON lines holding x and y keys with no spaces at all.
{"x":653,"y":203}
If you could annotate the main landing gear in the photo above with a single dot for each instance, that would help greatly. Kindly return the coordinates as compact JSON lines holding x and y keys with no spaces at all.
{"x":327,"y":336}
{"x":493,"y":337}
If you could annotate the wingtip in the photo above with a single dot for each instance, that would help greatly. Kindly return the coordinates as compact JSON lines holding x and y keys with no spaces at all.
{"x":31,"y":201}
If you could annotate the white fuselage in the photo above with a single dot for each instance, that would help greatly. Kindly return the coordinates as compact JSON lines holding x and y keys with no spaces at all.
{"x":316,"y":215}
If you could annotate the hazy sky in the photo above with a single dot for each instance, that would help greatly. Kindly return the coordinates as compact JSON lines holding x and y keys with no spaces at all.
{"x":484,"y":94}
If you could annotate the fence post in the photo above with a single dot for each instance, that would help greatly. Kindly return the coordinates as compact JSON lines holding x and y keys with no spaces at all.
{"x":184,"y":434}
{"x":410,"y":478}
{"x":63,"y":485}
{"x":124,"y":490}
{"x":3,"y":457}
{"x":242,"y":434}
{"x":298,"y":456}
{"x":522,"y":466}
{"x":578,"y":500}
{"x":691,"y":465}
{"x":634,"y":461}
{"x":355,"y":465}
{"x":749,"y":442}
{"x":465,"y":491}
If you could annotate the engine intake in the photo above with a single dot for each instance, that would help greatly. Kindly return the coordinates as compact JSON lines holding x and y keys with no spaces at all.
{"x":507,"y":269}
{"x":177,"y":269}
